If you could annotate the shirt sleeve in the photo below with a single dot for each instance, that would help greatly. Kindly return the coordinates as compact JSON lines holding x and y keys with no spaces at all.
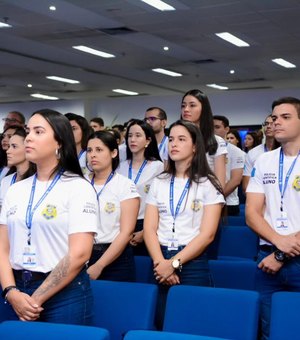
{"x":212,"y":195}
{"x":222,"y":148}
{"x":152,"y":194}
{"x":127,"y":189}
{"x":256,"y":182}
{"x":237,"y":160}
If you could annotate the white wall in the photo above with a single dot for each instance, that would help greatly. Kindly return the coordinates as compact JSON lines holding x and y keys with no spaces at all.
{"x":241,"y":107}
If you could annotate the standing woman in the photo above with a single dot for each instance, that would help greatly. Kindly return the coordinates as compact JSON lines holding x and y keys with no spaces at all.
{"x":251,"y":141}
{"x":20,"y":167}
{"x":234,"y":138}
{"x":142,"y":165}
{"x":81,"y":131}
{"x":195,"y":107}
{"x":46,"y":234}
{"x":183,"y":211}
{"x":118,"y":200}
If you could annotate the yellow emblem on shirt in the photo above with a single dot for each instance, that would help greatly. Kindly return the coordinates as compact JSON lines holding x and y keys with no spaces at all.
{"x":109,"y":207}
{"x":296,"y":183}
{"x":196,"y":205}
{"x":147,"y":188}
{"x":49,"y":212}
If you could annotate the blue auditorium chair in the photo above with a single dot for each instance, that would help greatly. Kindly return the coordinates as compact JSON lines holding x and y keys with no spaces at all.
{"x":156,"y":335}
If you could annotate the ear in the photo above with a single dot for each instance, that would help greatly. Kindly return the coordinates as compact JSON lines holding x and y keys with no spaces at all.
{"x":114,"y":153}
{"x":227,"y":129}
{"x":164,"y":123}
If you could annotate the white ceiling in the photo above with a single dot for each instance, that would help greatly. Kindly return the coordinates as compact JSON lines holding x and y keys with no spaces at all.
{"x":40,"y":44}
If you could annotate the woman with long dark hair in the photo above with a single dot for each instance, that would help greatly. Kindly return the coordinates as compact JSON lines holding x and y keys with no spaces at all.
{"x":47,"y":232}
{"x":118,"y":200}
{"x":182,"y":213}
{"x":195,"y":107}
{"x":142,"y":165}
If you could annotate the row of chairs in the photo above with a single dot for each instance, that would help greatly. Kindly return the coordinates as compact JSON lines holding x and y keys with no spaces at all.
{"x":126,"y":310}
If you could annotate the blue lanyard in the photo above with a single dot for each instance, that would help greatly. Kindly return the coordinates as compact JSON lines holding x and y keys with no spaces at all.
{"x":111,"y":175}
{"x":162,"y":143}
{"x":280,"y":176}
{"x":265,"y":148}
{"x":183,"y":194}
{"x":80,"y":154}
{"x":13,"y":180}
{"x":139,"y":172}
{"x":30,"y":212}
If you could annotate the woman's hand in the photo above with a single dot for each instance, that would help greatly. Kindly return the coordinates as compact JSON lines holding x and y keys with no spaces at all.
{"x":137,"y":238}
{"x":163,"y":270}
{"x":94,"y":271}
{"x":24,"y":305}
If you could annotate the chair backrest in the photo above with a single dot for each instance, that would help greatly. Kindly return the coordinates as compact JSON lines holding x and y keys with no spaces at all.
{"x":239,"y":242}
{"x":16,"y":330}
{"x":285,"y":316}
{"x":157,"y":335}
{"x":216,"y":312}
{"x":143,"y":269}
{"x":235,"y":220}
{"x":233,"y":274}
{"x":123,"y":306}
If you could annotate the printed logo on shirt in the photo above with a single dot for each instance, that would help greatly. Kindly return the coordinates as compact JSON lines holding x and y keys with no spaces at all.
{"x":89,"y":208}
{"x":296,"y":183}
{"x":49,"y":212}
{"x":162,"y":209}
{"x":11,"y":211}
{"x":252,"y":172}
{"x":133,"y":189}
{"x":269,"y":178}
{"x":196,"y":205}
{"x":109,"y":207}
{"x":147,"y":188}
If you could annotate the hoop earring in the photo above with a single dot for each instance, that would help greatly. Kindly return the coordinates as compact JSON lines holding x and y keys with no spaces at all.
{"x":57,"y":153}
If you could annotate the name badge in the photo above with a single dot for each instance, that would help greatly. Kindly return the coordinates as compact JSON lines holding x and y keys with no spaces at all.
{"x":29,"y":257}
{"x":282,"y":225}
{"x":173,"y":242}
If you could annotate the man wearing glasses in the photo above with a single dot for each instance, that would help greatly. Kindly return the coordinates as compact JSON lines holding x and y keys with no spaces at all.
{"x":157,"y":118}
{"x":252,"y":155}
{"x":14,"y":118}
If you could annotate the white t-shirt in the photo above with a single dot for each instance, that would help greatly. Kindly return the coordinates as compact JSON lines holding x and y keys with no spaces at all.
{"x":83,"y":164}
{"x":3,"y":172}
{"x":222,"y":150}
{"x":235,"y":159}
{"x":150,"y":171}
{"x":188,"y":220}
{"x":264,"y":180}
{"x":118,"y":189}
{"x":5,"y":184}
{"x":163,"y":149}
{"x":70,"y":207}
{"x":251,"y":157}
{"x":122,"y":152}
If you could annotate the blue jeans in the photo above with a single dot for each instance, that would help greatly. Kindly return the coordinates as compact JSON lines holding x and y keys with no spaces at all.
{"x":72,"y":305}
{"x":193,"y":273}
{"x":287,"y":279}
{"x":121,"y":269}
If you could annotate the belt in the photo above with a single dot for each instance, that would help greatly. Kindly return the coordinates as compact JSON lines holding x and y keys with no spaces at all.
{"x":267,"y":247}
{"x":28,"y":275}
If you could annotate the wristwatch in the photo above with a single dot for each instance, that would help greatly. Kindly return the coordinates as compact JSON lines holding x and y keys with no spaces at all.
{"x":176,"y":264}
{"x":280,"y":256}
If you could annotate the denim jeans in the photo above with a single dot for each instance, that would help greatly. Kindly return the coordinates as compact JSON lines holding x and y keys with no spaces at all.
{"x":287,"y":279}
{"x":193,"y":273}
{"x":72,"y":305}
{"x":122,"y":269}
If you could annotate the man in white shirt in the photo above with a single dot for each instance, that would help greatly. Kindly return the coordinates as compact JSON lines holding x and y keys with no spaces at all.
{"x":157,"y":118}
{"x":272,"y":209}
{"x":234,"y":167}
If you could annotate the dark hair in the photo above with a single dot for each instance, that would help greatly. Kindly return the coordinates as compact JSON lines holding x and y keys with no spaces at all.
{"x":206,"y":121}
{"x":162,"y":113}
{"x":15,"y":127}
{"x":119,"y":127}
{"x":84,"y":125}
{"x":199,"y":167}
{"x":115,"y":133}
{"x":20,"y":116}
{"x":237,"y":136}
{"x":3,"y":155}
{"x":20,"y":131}
{"x":98,"y":120}
{"x":63,"y":134}
{"x":151,"y":151}
{"x":288,"y":100}
{"x":109,"y":140}
{"x":253,"y":134}
{"x":223,"y":119}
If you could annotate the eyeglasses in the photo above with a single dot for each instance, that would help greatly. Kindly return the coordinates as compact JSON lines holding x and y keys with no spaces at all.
{"x":151,"y":119}
{"x":11,"y":120}
{"x":267,"y":123}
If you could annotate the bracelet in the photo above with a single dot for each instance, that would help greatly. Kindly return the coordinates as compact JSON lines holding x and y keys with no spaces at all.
{"x":7,"y":290}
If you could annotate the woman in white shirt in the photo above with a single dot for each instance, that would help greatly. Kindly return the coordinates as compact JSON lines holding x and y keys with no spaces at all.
{"x":142,"y":165}
{"x":118,"y":200}
{"x":47,"y":231}
{"x":182,"y":214}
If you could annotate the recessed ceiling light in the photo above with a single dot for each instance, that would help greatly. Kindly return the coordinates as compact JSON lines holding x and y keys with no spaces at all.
{"x":43,"y":96}
{"x":29,"y":85}
{"x":52,"y":8}
{"x":232,"y":71}
{"x":283,"y":62}
{"x":167,"y":72}
{"x":64,"y":80}
{"x":166,"y":48}
{"x":161,"y":5}
{"x":232,"y":39}
{"x":93,"y":51}
{"x":129,"y":93}
{"x":218,"y":87}
{"x":4,"y":25}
